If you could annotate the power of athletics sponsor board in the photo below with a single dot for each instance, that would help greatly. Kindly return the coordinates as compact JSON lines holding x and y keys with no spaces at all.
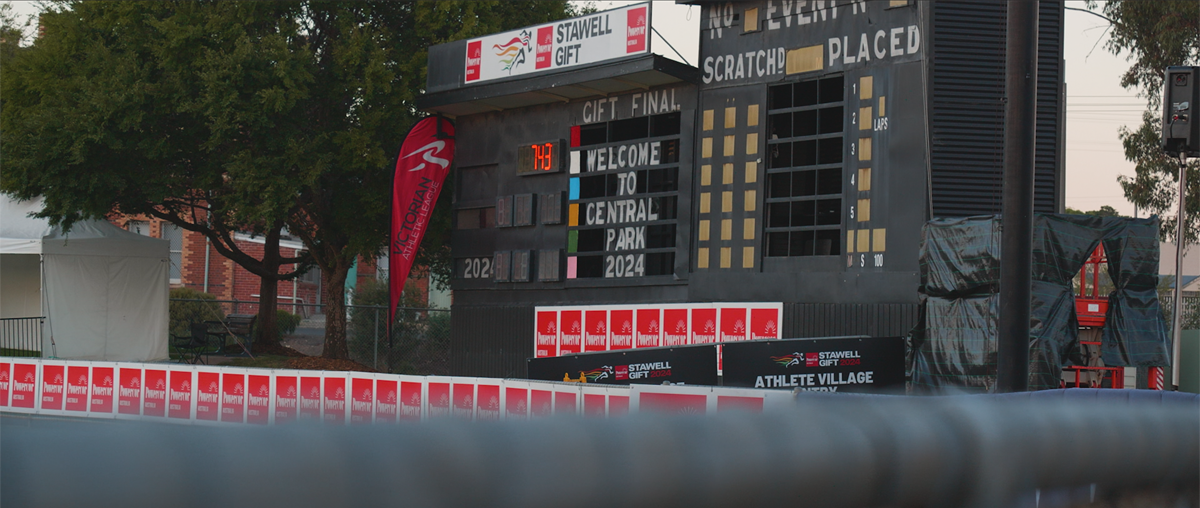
{"x":567,"y":43}
{"x":818,"y":365}
{"x":692,"y":365}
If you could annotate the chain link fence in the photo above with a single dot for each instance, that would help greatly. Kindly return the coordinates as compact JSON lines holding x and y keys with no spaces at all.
{"x":1191,"y":310}
{"x":419,"y":343}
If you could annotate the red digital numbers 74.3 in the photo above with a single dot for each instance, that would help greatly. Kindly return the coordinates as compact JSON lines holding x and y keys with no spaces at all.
{"x":543,"y":157}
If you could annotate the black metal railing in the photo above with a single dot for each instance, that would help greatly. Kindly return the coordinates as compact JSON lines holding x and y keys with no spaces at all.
{"x":21,"y":336}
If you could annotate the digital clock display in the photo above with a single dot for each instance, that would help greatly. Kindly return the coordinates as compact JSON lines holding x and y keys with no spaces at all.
{"x":538,"y":158}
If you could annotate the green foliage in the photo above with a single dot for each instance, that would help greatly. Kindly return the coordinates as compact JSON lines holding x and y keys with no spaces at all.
{"x":236,"y":116}
{"x":1156,"y":35}
{"x":184,"y":313}
{"x":286,"y":322}
{"x":1104,"y":211}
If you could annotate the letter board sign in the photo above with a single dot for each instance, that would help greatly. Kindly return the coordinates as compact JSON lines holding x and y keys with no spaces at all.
{"x":821,"y":365}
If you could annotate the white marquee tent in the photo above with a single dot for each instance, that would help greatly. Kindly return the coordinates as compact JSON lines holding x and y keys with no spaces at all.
{"x":103,"y":290}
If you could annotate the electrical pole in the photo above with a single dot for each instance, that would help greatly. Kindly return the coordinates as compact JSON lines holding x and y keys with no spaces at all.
{"x":1016,"y":240}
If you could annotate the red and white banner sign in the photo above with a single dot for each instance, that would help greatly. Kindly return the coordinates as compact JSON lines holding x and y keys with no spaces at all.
{"x":613,"y":327}
{"x":421,"y":169}
{"x":240,"y":396}
{"x":562,"y":44}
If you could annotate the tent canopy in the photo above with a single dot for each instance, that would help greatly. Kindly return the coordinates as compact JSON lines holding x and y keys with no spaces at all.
{"x":103,"y":290}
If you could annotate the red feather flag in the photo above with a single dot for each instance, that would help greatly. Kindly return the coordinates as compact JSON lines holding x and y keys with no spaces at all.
{"x":421,"y":169}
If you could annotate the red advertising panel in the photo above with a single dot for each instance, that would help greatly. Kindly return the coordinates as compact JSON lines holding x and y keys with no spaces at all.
{"x":310,"y":398}
{"x":410,"y":400}
{"x":154,"y":396}
{"x":547,"y":334}
{"x":515,"y":403}
{"x":287,"y":394}
{"x":649,"y":328}
{"x":487,"y":402}
{"x":387,"y":400}
{"x":545,"y":46}
{"x":733,"y":324}
{"x":23,"y":387}
{"x":77,"y":388}
{"x":208,"y":396}
{"x":746,"y":404}
{"x":635,"y":30}
{"x":335,"y":399}
{"x":564,"y":403}
{"x":570,"y":325}
{"x":129,"y":392}
{"x":620,"y":329}
{"x":439,"y":400}
{"x":672,"y":403}
{"x":103,"y":382}
{"x":593,"y":404}
{"x":5,"y":382}
{"x":258,"y":399}
{"x":704,"y":325}
{"x":233,"y":398}
{"x":464,"y":400}
{"x":474,"y":58}
{"x":618,"y":405}
{"x":675,"y":327}
{"x":764,"y":324}
{"x":53,"y":379}
{"x":179,"y":394}
{"x":540,"y":403}
{"x":362,"y":399}
{"x":595,"y":330}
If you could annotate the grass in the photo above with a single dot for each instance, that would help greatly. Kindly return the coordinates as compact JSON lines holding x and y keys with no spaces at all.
{"x":4,"y":351}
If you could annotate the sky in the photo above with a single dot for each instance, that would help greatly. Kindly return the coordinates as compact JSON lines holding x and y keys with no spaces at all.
{"x":1097,"y":105}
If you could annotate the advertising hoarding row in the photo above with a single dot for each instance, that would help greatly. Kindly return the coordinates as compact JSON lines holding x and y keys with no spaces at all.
{"x":244,"y":396}
{"x":564,"y":330}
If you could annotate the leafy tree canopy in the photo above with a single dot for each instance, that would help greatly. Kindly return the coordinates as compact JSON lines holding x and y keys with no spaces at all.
{"x":1104,"y":211}
{"x":1157,"y":35}
{"x":235,"y":116}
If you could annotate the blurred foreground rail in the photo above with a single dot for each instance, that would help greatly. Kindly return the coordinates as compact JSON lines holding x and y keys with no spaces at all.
{"x":843,"y":451}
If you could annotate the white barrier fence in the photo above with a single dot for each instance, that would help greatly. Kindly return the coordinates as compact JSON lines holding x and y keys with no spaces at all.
{"x":230,"y":395}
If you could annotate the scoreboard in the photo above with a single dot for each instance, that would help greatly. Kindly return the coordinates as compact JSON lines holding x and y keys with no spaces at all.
{"x":796,"y":163}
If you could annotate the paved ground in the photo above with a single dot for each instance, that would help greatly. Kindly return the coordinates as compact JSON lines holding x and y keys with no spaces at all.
{"x":309,"y":337}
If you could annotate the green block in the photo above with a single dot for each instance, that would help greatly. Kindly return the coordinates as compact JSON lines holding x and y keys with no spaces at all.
{"x":572,"y":241}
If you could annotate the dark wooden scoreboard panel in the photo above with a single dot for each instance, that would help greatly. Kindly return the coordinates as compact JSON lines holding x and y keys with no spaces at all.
{"x":583,"y":195}
{"x":796,"y":168}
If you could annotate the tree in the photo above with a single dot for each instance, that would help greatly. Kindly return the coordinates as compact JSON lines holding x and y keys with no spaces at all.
{"x":224,"y":116}
{"x":1157,"y":34}
{"x":1104,"y":211}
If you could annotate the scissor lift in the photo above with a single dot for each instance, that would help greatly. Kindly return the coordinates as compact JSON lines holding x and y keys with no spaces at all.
{"x":1091,"y":307}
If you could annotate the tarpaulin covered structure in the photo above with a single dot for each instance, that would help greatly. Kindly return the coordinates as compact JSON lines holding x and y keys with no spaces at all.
{"x":954,"y":342}
{"x":102,"y":290}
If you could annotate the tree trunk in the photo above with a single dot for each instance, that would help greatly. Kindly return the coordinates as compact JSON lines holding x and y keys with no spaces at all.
{"x":267,"y":336}
{"x":333,"y":293}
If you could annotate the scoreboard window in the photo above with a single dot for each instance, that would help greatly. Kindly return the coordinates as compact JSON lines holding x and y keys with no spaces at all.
{"x":476,"y":218}
{"x":804,"y":168}
{"x":623,"y":199}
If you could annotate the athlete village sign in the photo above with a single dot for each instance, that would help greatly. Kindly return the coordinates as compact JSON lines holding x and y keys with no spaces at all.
{"x":817,"y":365}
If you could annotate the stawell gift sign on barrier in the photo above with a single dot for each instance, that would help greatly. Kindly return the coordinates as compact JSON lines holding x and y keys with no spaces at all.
{"x":818,"y":365}
{"x":692,"y":365}
{"x":568,"y":43}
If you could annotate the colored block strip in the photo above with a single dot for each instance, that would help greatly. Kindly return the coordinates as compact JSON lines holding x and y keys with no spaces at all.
{"x":574,"y":192}
{"x":575,"y":162}
{"x":571,"y":266}
{"x":572,"y":241}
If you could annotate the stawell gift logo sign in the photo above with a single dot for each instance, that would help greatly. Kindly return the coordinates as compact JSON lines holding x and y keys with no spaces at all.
{"x":819,"y":365}
{"x":693,"y":365}
{"x":568,"y":43}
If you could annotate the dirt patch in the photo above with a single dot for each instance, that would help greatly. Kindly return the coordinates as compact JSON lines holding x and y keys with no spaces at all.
{"x":276,"y":349}
{"x":318,"y":363}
